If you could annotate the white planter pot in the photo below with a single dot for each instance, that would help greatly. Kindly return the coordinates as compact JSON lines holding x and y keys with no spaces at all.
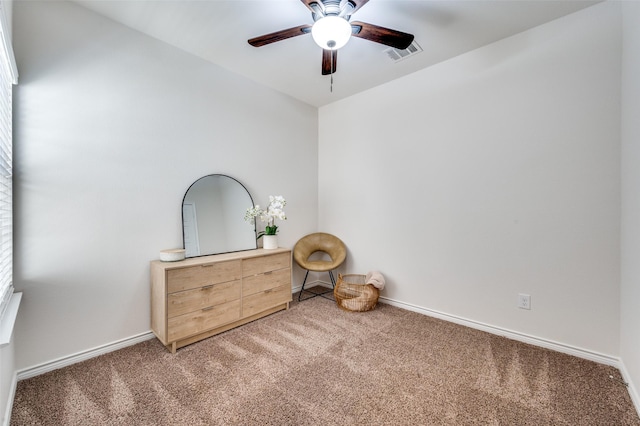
{"x":270,"y":241}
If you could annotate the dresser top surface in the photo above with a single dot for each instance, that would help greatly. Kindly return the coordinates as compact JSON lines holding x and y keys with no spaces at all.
{"x":247,"y":254}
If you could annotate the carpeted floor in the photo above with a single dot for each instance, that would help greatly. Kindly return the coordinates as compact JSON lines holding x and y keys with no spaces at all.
{"x":318,"y":365}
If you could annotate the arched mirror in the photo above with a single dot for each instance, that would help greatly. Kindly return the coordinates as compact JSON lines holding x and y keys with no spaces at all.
{"x":213,"y":211}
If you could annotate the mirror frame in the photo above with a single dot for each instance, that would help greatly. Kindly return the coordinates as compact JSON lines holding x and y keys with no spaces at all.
{"x":182,"y":215}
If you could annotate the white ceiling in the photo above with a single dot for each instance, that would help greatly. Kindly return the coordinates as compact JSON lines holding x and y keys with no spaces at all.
{"x":218,"y":30}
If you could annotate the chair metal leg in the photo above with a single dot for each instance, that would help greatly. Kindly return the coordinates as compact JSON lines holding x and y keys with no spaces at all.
{"x":303,"y":283}
{"x":333,"y":280}
{"x":333,"y":284}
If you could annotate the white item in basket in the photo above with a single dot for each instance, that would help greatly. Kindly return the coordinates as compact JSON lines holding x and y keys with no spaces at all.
{"x":376,"y":279}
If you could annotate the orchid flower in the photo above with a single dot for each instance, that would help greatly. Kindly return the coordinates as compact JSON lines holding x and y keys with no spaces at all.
{"x":275,"y":210}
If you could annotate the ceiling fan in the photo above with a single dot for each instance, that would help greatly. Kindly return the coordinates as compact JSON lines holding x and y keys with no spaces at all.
{"x":331,"y":30}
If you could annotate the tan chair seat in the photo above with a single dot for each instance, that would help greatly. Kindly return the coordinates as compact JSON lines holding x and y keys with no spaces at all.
{"x":323,"y":243}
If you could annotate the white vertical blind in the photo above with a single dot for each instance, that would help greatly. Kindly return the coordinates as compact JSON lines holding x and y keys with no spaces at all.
{"x":8,"y":76}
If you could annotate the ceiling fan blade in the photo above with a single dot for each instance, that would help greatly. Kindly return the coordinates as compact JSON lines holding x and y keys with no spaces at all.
{"x":329,"y":63}
{"x":382,"y":35}
{"x":279,"y":35}
{"x":358,"y":4}
{"x":314,"y":6}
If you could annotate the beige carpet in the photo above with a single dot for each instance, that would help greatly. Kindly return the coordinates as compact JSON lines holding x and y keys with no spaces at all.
{"x":318,"y":365}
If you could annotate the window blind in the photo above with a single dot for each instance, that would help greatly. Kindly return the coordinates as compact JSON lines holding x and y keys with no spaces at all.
{"x":7,"y":77}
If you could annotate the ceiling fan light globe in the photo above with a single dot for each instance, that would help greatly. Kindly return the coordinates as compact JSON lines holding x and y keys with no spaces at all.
{"x":331,"y":32}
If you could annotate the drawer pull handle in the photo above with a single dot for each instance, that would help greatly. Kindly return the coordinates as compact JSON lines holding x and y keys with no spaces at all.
{"x":268,"y":291}
{"x":207,"y":287}
{"x":268,"y":273}
{"x":208,"y":308}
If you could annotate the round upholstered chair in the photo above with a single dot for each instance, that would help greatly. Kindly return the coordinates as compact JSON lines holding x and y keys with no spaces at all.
{"x":323,"y":243}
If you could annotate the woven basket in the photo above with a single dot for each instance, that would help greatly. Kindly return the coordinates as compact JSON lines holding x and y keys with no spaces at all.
{"x":353,"y":294}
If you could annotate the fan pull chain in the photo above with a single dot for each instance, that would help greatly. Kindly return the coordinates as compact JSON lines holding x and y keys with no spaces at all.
{"x":331,"y":88}
{"x":331,"y":44}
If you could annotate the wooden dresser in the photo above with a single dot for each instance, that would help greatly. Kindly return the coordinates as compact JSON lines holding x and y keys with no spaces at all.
{"x":196,"y":298}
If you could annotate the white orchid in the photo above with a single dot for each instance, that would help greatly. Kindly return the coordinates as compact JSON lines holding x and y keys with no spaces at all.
{"x":275,"y":210}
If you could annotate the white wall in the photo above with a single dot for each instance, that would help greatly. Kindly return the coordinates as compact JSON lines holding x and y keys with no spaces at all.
{"x":630,"y":275}
{"x":492,"y":174}
{"x":111,"y":129}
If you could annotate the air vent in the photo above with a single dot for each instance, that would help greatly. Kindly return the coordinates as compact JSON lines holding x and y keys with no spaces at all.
{"x":397,"y":55}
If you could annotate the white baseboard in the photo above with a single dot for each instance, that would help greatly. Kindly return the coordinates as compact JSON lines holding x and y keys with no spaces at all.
{"x":514,"y":335}
{"x":310,"y":284}
{"x":559,"y":347}
{"x":510,"y":334}
{"x":633,"y":391}
{"x":109,"y":347}
{"x":82,"y":356}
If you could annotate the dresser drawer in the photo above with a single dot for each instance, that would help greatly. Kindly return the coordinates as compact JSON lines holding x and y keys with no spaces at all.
{"x":202,"y":275}
{"x":266,"y":281}
{"x":258,"y":265}
{"x":193,"y":300}
{"x":205,"y":319}
{"x":264,"y":300}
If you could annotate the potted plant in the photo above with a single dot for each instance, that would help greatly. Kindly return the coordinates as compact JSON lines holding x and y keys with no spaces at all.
{"x":275,"y":210}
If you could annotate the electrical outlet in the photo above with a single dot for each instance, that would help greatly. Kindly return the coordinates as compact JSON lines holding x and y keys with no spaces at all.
{"x":524,"y":301}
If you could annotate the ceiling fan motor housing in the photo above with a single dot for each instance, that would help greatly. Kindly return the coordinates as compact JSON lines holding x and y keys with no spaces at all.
{"x":331,"y":8}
